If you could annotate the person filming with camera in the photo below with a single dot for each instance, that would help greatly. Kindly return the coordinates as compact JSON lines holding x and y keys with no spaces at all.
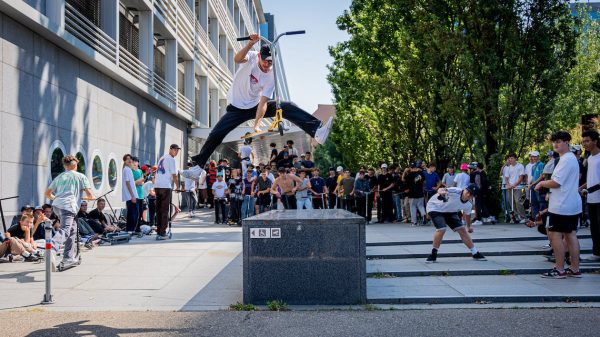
{"x":443,"y":208}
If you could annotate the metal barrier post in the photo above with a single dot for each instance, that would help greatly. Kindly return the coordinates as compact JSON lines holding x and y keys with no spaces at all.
{"x":48,"y":258}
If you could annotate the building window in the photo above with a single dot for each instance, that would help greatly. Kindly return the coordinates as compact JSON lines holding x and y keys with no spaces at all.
{"x":81,"y":164}
{"x":56,"y":165}
{"x":88,"y":8}
{"x":97,"y":174}
{"x":112,"y":173}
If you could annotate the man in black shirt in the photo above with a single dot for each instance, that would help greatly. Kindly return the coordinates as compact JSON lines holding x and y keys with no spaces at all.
{"x":386,"y":184}
{"x":414,"y":192}
{"x":479,"y":178}
{"x":331,"y":184}
{"x":373,"y":185}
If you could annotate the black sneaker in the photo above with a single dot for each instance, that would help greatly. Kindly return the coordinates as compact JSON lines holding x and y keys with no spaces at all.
{"x":431,"y":258}
{"x":479,"y":257}
{"x":548,"y":252}
{"x":31,"y":258}
{"x":554,"y":273}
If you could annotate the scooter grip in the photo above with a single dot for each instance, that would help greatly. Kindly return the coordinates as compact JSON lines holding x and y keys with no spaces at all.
{"x":244,"y":38}
{"x":296,"y":32}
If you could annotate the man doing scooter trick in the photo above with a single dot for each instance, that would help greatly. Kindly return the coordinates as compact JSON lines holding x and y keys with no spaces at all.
{"x":250,"y":97}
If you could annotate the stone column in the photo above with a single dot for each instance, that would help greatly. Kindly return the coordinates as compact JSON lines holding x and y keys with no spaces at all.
{"x":188,"y":80}
{"x":202,"y":13}
{"x":171,"y":62}
{"x":146,"y":26}
{"x":203,"y":100}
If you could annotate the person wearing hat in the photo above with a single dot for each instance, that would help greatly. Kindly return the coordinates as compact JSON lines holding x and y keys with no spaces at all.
{"x":443,"y":208}
{"x":462,"y":179}
{"x":220,"y":193}
{"x":27,"y":209}
{"x":249,"y":97}
{"x":385,"y":208}
{"x":535,"y":172}
{"x":166,"y":178}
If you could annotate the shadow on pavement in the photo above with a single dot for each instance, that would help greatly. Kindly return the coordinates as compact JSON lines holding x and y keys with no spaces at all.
{"x":79,"y":328}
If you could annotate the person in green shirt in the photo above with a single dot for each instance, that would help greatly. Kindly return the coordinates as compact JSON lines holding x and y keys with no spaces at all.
{"x":138,"y":177}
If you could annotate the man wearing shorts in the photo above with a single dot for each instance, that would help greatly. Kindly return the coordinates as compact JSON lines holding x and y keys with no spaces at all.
{"x":564,"y":208}
{"x":443,"y":208}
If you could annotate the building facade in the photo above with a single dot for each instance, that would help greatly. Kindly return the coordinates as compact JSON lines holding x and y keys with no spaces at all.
{"x":101,"y":78}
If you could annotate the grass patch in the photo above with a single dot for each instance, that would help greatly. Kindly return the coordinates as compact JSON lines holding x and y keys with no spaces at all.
{"x":242,"y":307}
{"x":382,"y":275}
{"x":371,"y":307}
{"x":277,"y":305}
{"x":506,"y":272}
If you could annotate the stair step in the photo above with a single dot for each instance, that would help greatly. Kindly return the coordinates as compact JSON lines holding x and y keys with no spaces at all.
{"x":464,"y":254}
{"x":498,"y":239}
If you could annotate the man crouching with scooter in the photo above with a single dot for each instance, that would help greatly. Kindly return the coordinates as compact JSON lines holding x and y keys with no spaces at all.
{"x":66,"y":192}
{"x":443,"y":209}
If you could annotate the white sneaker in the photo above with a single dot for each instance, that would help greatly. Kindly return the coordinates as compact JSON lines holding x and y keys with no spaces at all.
{"x":193,"y":173}
{"x":592,"y":258}
{"x":523,"y":221}
{"x":323,"y":132}
{"x":477,"y":223}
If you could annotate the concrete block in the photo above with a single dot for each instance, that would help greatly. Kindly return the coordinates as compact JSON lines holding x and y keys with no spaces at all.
{"x":17,"y":89}
{"x":318,"y":258}
{"x":17,"y":139}
{"x":17,"y":45}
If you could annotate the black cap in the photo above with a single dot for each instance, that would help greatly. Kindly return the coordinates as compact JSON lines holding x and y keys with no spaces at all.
{"x":413,"y":164}
{"x":265,"y":53}
{"x":175,"y":146}
{"x":26,"y":207}
{"x":472,"y":188}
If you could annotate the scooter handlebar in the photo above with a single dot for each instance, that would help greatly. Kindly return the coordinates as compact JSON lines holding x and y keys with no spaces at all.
{"x":296,"y":32}
{"x":243,"y":38}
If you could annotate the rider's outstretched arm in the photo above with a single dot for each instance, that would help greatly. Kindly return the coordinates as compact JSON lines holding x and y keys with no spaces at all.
{"x":240,"y":56}
{"x":260,"y":112}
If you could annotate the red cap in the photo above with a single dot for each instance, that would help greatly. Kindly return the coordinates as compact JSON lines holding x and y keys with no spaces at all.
{"x":145,"y":167}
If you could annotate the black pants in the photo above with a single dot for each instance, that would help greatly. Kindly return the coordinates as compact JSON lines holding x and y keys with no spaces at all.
{"x":361,"y":206}
{"x":481,"y":210}
{"x":152,"y":211}
{"x":163,"y":205}
{"x":331,"y":197}
{"x":348,"y":203}
{"x":289,"y":201}
{"x":370,"y":206}
{"x":318,"y":203}
{"x":235,"y":116}
{"x":132,"y":216}
{"x":387,"y":207}
{"x":594,"y":214}
{"x":220,"y":211}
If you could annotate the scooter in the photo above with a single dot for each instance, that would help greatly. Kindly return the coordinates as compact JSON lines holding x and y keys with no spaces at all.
{"x":277,"y":123}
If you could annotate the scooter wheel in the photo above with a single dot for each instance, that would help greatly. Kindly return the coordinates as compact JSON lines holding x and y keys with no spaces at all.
{"x":280,"y":127}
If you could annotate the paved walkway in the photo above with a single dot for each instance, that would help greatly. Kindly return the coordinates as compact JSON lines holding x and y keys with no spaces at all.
{"x":201,"y":269}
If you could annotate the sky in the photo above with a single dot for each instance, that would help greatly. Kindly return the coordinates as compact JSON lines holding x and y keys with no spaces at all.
{"x":306,"y":57}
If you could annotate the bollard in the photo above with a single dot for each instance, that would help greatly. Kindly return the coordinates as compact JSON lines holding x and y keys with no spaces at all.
{"x":48,"y":258}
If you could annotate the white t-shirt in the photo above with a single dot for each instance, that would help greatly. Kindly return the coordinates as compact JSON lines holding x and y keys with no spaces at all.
{"x":462,"y":180}
{"x":504,"y":174}
{"x":128,"y":179}
{"x":245,"y":151}
{"x":565,"y":200}
{"x":189,"y":184}
{"x":250,"y":83}
{"x":165,"y":171}
{"x":528,"y":168}
{"x":202,"y":181}
{"x":593,"y":177}
{"x":147,"y":188}
{"x":453,"y":205}
{"x":514,"y":172}
{"x":219,"y":188}
{"x":448,"y":179}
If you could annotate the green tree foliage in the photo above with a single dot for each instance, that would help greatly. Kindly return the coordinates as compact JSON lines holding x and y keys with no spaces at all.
{"x":449,"y":80}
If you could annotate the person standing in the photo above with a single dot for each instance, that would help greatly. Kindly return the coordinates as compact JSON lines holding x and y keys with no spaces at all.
{"x":166,"y":178}
{"x":537,"y":168}
{"x":516,"y":172}
{"x":385,"y":182}
{"x":66,"y":191}
{"x":220,"y":193}
{"x":347,"y":185}
{"x":331,"y":184}
{"x":415,"y":193}
{"x":361,"y":188}
{"x":246,"y":154}
{"x":480,"y":179}
{"x":302,"y":199}
{"x":138,"y":177}
{"x":317,"y":190}
{"x":129,"y":193}
{"x":443,"y":208}
{"x":190,"y":186}
{"x":590,"y":143}
{"x":449,"y":176}
{"x":564,"y":208}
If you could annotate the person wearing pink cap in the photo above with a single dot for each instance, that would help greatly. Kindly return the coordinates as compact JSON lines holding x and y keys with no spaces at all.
{"x":462,"y":179}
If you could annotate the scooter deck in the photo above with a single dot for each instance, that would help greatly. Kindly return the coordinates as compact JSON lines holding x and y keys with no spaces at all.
{"x":261,"y":132}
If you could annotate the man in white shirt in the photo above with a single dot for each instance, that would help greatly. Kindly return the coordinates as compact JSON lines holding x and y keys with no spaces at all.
{"x":462,"y":179}
{"x":443,"y":208}
{"x":590,"y":143}
{"x":220,"y":192}
{"x":129,"y":194}
{"x":513,"y":178}
{"x":166,"y":178}
{"x":564,"y":208}
{"x":190,"y":186}
{"x":246,"y":154}
{"x":250,"y":97}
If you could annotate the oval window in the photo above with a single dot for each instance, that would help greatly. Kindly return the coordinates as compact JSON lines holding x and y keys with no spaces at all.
{"x":112,"y":173}
{"x":97,"y":172}
{"x":81,"y":164}
{"x":56,"y":164}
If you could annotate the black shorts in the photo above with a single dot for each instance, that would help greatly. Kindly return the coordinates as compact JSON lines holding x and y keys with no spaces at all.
{"x":441,"y":220}
{"x":264,"y":199}
{"x":562,"y":223}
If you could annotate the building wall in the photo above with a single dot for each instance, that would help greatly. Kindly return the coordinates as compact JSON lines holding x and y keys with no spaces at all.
{"x":51,"y":98}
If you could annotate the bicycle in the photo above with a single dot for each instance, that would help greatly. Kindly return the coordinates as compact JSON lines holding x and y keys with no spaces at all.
{"x":277,"y":122}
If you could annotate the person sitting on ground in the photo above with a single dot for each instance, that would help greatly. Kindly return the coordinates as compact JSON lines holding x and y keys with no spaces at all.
{"x":20,"y":236}
{"x":85,"y":229}
{"x":103,"y":219}
{"x":27,"y":209}
{"x":443,"y":208}
{"x":39,"y":217}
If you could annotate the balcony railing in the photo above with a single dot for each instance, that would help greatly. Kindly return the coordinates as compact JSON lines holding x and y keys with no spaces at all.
{"x":228,"y":25}
{"x":167,"y":9}
{"x":184,"y":104}
{"x":134,"y":67}
{"x":245,"y":15}
{"x":164,"y":89}
{"x":185,"y":27}
{"x":83,"y":29}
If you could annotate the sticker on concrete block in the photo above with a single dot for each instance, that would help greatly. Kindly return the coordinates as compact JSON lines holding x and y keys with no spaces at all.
{"x":275,"y":233}
{"x":260,"y":233}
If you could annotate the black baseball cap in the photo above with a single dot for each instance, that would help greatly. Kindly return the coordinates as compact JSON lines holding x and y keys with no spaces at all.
{"x":472,"y":188}
{"x":175,"y":146}
{"x":265,"y":53}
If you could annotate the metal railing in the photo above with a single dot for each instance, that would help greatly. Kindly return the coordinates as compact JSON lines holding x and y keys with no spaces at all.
{"x":185,"y":24}
{"x":244,"y":13}
{"x":168,"y":11}
{"x":83,"y":29}
{"x":228,"y":25}
{"x":184,"y":104}
{"x":164,"y":89}
{"x":134,"y":67}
